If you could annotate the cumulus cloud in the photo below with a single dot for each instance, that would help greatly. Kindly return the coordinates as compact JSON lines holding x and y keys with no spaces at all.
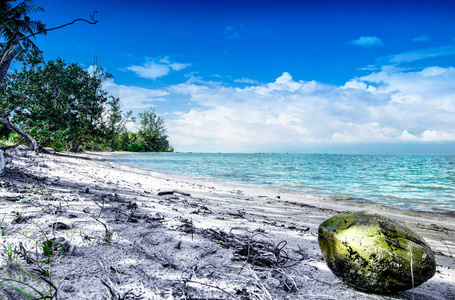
{"x":155,"y":68}
{"x":134,"y":97}
{"x":437,"y":135}
{"x":386,"y":106}
{"x":367,"y":42}
{"x":391,"y":105}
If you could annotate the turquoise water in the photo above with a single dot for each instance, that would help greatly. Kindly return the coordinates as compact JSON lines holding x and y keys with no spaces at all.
{"x":418,"y":182}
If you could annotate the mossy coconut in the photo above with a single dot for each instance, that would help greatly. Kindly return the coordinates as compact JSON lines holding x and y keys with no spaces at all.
{"x":375,"y":254}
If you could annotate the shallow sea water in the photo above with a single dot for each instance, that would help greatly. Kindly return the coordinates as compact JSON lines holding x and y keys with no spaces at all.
{"x":417,"y":182}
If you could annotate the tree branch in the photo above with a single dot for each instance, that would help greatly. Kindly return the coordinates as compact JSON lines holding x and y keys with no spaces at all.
{"x":12,"y":146}
{"x":92,"y":22}
{"x":12,"y":127}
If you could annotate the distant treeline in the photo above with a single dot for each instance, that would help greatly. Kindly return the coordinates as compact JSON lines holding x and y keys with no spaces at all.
{"x":64,"y":107}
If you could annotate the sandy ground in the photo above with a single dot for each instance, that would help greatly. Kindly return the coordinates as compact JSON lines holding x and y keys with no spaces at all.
{"x":82,"y":227}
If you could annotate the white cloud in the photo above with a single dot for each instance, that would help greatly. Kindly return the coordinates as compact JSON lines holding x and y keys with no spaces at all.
{"x":134,"y":97}
{"x":367,"y":42}
{"x":430,"y":83}
{"x":422,"y":38}
{"x":437,"y":135}
{"x":369,"y":68}
{"x":387,"y":106}
{"x":155,"y":68}
{"x":408,"y":137}
{"x":246,"y":80}
{"x":420,"y":54}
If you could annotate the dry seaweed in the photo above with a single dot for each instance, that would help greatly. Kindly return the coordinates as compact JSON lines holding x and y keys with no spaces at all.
{"x":262,"y":253}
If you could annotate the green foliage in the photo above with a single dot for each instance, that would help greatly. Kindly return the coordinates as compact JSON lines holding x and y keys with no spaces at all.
{"x":65,"y":108}
{"x":61,"y":105}
{"x":8,"y":138}
{"x":37,"y":283}
{"x":150,"y":138}
{"x":153,"y":132}
{"x":16,"y":25}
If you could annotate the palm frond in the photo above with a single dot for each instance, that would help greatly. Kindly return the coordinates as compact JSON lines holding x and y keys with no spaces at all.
{"x":27,"y":6}
{"x":16,"y":25}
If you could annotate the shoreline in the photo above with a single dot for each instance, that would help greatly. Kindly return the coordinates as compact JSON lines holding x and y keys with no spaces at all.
{"x":187,"y":241}
{"x":440,"y":219}
{"x":328,"y":197}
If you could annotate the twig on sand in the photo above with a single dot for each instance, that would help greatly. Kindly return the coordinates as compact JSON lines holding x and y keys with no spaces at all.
{"x":164,"y":193}
{"x":108,"y":233}
{"x":116,"y":295}
{"x":185,"y":282}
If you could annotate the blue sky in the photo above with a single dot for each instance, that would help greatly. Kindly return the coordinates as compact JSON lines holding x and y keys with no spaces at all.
{"x":274,"y":76}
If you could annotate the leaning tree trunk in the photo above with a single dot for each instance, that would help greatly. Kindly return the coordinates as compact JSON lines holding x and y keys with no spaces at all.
{"x":12,"y":127}
{"x":7,"y":55}
{"x":8,"y":52}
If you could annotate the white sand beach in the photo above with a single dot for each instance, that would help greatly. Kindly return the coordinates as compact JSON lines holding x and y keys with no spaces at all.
{"x":126,"y":233}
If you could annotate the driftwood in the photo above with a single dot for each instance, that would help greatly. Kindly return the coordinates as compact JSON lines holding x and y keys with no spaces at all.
{"x":164,"y":193}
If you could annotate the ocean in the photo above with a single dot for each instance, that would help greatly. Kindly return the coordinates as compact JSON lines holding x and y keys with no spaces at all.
{"x":416,"y":182}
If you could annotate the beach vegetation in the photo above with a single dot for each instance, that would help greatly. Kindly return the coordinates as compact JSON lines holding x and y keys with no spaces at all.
{"x":64,"y":107}
{"x":1,"y":225}
{"x":35,"y":282}
{"x":60,"y":105}
{"x":151,"y":136}
{"x":16,"y":32}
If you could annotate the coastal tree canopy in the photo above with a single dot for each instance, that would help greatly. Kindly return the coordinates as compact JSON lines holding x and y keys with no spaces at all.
{"x":64,"y":107}
{"x":16,"y":32}
{"x":153,"y":131}
{"x":59,"y":104}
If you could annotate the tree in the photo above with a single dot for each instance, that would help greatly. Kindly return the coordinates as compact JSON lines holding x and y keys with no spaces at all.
{"x":17,"y":29}
{"x":116,"y":124}
{"x":153,"y":131}
{"x":60,"y":104}
{"x":151,"y":122}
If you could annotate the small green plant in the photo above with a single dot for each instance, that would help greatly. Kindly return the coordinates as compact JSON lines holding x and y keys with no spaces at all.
{"x":9,"y":251}
{"x":1,"y":226}
{"x":14,"y":138}
{"x":24,"y":281}
{"x":48,"y":248}
{"x":108,"y":232}
{"x":36,"y":283}
{"x":85,"y":237}
{"x":18,"y":218}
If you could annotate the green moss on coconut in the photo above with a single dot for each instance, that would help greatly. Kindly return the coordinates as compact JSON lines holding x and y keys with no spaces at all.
{"x":375,"y":254}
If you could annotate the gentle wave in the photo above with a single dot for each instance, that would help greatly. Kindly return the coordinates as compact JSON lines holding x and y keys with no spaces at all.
{"x":419,"y":182}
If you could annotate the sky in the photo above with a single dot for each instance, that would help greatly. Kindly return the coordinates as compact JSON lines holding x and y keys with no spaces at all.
{"x":326,"y":76}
